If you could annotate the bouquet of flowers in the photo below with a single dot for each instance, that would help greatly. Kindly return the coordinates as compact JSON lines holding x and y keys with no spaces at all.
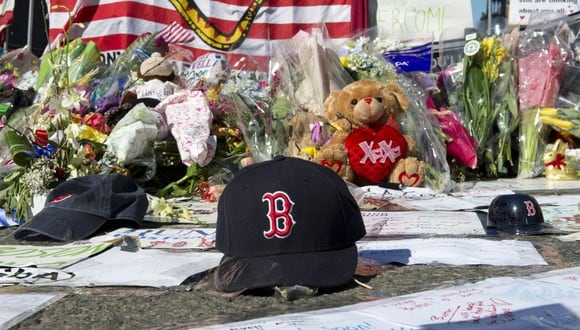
{"x":543,"y":53}
{"x":261,"y":110}
{"x":485,"y":93}
{"x":363,"y":60}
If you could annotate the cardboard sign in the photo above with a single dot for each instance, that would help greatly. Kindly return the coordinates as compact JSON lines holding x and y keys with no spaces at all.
{"x":415,"y":17}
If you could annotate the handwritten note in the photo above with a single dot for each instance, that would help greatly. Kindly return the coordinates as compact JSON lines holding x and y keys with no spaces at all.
{"x":417,"y":198}
{"x":566,"y":217}
{"x":547,"y":301}
{"x":200,"y":239}
{"x":520,"y":11}
{"x":415,"y":223}
{"x":417,"y":17}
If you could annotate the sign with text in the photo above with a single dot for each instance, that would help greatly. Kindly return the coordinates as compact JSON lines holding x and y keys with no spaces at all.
{"x":521,"y":11}
{"x":49,"y":256}
{"x":397,"y":18}
{"x":543,"y":301}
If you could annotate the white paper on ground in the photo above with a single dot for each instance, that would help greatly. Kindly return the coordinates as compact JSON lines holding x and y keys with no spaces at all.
{"x":418,"y":198}
{"x":451,"y":251}
{"x":146,"y":267}
{"x":414,"y":223}
{"x":170,"y":238}
{"x":547,"y":301}
{"x":17,"y":307}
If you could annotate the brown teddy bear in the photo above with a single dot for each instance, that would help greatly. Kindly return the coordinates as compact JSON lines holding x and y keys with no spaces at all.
{"x":368,"y":146}
{"x":156,"y":81}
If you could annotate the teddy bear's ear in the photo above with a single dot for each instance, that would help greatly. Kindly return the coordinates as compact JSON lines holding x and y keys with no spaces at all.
{"x":397,"y":92}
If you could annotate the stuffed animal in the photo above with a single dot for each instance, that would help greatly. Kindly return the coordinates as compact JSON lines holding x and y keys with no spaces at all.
{"x":556,"y":165}
{"x":368,"y":146}
{"x":156,"y":81}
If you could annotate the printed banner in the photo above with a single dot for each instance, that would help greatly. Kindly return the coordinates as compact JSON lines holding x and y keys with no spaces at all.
{"x":48,"y":256}
{"x":234,"y":26}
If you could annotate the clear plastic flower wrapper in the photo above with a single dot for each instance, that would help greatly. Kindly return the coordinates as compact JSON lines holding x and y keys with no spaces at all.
{"x":362,"y":57}
{"x":543,"y":53}
{"x":423,"y":127}
{"x":260,"y":109}
{"x":108,"y":89}
{"x":460,"y":145}
{"x":309,"y":69}
{"x":71,"y":64}
{"x":565,"y":116}
{"x":488,"y":100}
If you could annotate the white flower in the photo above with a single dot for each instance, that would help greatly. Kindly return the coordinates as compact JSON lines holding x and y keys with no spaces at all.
{"x":72,"y":132}
{"x":75,"y":99}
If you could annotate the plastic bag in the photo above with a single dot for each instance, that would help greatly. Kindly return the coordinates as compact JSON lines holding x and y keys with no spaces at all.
{"x":109,"y":87}
{"x":310,"y":69}
{"x":363,"y":60}
{"x":544,"y":49}
{"x":190,"y":118}
{"x":70,"y":65}
{"x":422,"y":126}
{"x":261,"y":110}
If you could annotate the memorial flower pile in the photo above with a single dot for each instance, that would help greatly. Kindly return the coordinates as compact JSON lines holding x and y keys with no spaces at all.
{"x":465,"y":120}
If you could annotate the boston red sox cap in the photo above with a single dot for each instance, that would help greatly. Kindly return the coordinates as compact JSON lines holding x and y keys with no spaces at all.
{"x":78,"y":207}
{"x":286,"y":222}
{"x":518,"y":214}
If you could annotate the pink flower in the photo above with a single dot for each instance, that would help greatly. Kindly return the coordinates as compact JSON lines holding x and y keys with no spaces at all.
{"x":462,"y":146}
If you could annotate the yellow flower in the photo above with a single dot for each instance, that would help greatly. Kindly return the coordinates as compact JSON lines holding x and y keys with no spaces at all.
{"x":344,"y":61}
{"x":548,"y":112}
{"x":487,"y":45}
{"x":557,"y":122}
{"x":500,"y":54}
{"x":491,"y":70}
{"x":211,"y":94}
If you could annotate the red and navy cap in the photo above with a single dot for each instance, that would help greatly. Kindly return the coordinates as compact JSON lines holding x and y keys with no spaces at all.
{"x":284,"y":222}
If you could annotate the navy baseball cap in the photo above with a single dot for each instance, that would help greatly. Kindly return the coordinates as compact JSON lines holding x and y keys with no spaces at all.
{"x":78,"y":207}
{"x":286,"y":222}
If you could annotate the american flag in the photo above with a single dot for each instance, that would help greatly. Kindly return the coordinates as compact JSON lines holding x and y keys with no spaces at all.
{"x":175,"y":33}
{"x":234,"y":26}
{"x":6,"y":15}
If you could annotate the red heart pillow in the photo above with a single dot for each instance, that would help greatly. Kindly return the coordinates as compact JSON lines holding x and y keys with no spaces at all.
{"x":373,"y":154}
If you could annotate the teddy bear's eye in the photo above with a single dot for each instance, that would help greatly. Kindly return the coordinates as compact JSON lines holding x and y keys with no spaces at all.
{"x":354,"y":102}
{"x":380,"y":99}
